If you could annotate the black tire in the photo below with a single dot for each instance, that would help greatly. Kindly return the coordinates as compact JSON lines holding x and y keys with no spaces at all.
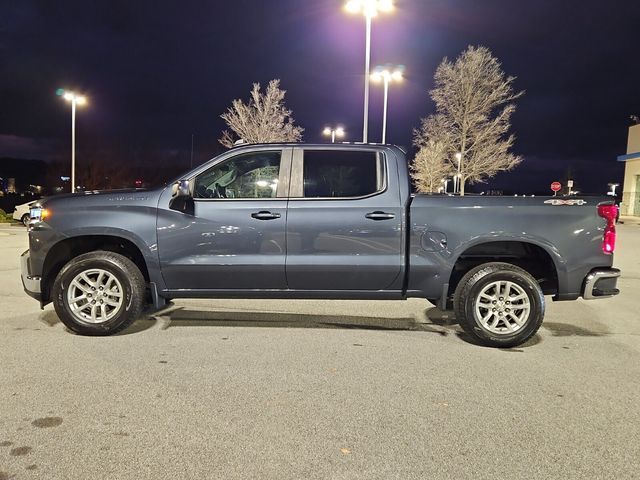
{"x":25,"y":219}
{"x":127,"y":274}
{"x":468,"y":292}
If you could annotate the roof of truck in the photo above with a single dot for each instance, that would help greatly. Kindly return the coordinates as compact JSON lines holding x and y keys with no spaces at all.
{"x":323,"y":145}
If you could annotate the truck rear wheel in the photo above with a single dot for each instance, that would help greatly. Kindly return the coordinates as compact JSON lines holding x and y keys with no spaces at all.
{"x":499,"y":304}
{"x":99,"y":293}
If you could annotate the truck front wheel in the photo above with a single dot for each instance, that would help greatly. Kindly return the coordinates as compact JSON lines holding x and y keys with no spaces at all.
{"x":99,"y":293}
{"x":499,"y":304}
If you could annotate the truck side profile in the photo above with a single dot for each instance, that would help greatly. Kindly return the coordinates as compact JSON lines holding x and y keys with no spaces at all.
{"x":317,"y":221}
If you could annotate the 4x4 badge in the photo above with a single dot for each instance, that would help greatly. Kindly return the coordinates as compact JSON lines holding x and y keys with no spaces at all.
{"x":559,"y":201}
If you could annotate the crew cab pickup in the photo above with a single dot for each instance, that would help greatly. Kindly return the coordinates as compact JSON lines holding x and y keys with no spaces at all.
{"x":317,"y":221}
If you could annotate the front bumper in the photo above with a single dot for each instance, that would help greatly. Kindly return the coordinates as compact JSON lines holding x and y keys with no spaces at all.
{"x":601,"y":283}
{"x":31,"y":283}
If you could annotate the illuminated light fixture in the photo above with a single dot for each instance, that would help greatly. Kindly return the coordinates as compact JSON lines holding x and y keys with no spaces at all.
{"x":458,"y":157}
{"x":333,"y":132}
{"x":75,"y":100}
{"x":370,"y":9}
{"x":387,"y":74}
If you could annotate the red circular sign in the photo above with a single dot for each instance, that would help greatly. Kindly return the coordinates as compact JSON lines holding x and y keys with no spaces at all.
{"x":556,"y":186}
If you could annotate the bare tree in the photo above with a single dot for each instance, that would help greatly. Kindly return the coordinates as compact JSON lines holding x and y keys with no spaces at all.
{"x":263,"y":119}
{"x":430,"y":166}
{"x":474,"y":103}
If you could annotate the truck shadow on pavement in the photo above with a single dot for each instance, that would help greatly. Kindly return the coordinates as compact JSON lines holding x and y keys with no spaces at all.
{"x":568,"y":330}
{"x":177,"y":316}
{"x":433,"y":320}
{"x":185,"y":317}
{"x":447,"y":319}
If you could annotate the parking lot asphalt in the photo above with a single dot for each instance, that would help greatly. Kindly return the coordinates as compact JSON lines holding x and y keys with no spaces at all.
{"x":237,"y":389}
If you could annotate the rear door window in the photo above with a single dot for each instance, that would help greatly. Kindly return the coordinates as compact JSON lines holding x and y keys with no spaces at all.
{"x":342,"y":173}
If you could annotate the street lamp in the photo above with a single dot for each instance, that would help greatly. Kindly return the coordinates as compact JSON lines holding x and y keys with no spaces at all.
{"x":333,"y":132}
{"x":370,"y":9}
{"x":613,"y":187}
{"x":459,"y":175}
{"x":386,"y":74}
{"x":75,"y":100}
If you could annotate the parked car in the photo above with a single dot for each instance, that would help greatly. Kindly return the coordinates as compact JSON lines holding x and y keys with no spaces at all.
{"x":21,"y":213}
{"x":317,"y":221}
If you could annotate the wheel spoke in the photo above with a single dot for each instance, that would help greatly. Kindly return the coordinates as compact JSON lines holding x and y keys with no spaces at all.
{"x":78,"y":308}
{"x":79,"y":286}
{"x":87,"y":280}
{"x":521,"y":296}
{"x":507,"y":325}
{"x":517,"y":318}
{"x":77,"y":299}
{"x":507,"y":289}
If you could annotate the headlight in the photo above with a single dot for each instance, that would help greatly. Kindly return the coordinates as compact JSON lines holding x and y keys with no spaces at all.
{"x":38,"y":214}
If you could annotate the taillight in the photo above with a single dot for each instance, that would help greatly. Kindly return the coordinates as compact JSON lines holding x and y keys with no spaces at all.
{"x":609,"y":213}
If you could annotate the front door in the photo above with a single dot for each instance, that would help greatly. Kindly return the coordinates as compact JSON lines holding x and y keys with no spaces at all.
{"x":235,"y":238}
{"x":344,"y":222}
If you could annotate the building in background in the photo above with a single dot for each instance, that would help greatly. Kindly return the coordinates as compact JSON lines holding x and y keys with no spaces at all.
{"x":631,"y":187}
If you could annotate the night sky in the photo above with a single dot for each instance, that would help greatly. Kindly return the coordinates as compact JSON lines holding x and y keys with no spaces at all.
{"x":157,"y":71}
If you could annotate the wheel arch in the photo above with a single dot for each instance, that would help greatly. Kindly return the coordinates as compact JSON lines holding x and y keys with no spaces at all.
{"x":66,"y":249}
{"x":537,"y":257}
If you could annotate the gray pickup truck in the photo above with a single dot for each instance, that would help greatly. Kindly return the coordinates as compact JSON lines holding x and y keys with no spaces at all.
{"x":317,"y":221}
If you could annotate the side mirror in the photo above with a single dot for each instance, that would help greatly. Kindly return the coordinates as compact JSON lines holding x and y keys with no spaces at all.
{"x":181,"y":197}
{"x":180,"y":189}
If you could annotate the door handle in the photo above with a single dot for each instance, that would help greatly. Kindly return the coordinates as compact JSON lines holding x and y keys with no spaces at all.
{"x":265,"y":215}
{"x":377,"y":215}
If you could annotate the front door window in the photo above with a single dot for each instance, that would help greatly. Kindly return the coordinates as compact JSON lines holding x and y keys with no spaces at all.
{"x":251,"y":175}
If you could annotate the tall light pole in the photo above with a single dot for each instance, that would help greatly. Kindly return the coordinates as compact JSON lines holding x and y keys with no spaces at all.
{"x":459,"y":175}
{"x":333,"y":132}
{"x":75,"y":100}
{"x":387,"y":75}
{"x":370,"y":9}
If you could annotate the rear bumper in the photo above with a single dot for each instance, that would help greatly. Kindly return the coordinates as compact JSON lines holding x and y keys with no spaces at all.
{"x":601,"y":283}
{"x":31,"y":283}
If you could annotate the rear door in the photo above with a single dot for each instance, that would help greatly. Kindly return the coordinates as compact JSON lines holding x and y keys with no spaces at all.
{"x":344,"y":221}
